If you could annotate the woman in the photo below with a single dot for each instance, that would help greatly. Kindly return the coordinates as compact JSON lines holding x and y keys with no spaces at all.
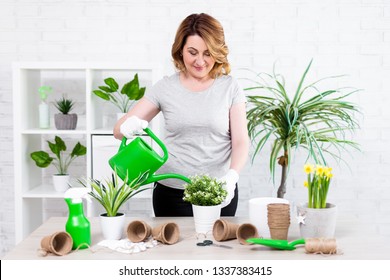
{"x":204,"y":113}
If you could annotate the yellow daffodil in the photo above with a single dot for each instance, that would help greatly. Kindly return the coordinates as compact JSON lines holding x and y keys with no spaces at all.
{"x":308,"y":168}
{"x":317,"y":183}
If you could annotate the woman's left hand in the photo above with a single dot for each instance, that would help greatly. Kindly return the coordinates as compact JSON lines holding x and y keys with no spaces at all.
{"x":230,"y":179}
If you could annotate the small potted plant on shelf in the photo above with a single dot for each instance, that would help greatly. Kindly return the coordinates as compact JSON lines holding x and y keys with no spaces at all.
{"x":44,"y":112}
{"x":64,"y":120}
{"x":124,"y":98}
{"x":60,"y":160}
{"x":112,"y":194}
{"x":317,"y":218}
{"x":206,"y":194}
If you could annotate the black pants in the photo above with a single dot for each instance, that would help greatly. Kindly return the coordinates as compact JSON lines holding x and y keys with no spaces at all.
{"x":168,"y":202}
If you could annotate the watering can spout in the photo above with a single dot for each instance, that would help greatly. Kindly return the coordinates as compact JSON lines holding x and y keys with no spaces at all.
{"x":155,"y":178}
{"x":138,"y":157}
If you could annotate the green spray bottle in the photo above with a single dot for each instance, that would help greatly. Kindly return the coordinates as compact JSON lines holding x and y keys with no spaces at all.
{"x":78,"y":225}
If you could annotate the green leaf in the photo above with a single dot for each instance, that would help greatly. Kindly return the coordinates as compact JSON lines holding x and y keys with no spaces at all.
{"x":106,"y":89}
{"x":78,"y":150}
{"x":112,"y":84}
{"x":102,"y":94}
{"x":57,"y":147}
{"x":41,"y":158}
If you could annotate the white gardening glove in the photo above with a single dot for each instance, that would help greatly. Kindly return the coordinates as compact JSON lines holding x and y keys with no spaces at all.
{"x":132,"y":125}
{"x":230,"y":179}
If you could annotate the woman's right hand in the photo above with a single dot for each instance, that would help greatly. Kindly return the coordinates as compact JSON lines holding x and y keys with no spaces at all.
{"x":132,"y":125}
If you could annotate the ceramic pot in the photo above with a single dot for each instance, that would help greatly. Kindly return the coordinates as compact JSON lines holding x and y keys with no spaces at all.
{"x":205,"y":217}
{"x":61,"y":182}
{"x":112,"y":227}
{"x":65,"y":122}
{"x":317,"y":222}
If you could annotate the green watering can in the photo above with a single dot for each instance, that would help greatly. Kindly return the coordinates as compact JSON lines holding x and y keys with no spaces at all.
{"x":138,"y":157}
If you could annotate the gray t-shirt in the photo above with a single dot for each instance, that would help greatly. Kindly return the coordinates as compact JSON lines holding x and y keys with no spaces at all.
{"x":197,"y":133}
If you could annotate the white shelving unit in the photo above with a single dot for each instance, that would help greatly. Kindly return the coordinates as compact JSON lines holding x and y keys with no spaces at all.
{"x":96,"y":117}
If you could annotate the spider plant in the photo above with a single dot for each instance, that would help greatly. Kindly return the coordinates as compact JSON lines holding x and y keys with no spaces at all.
{"x":315,"y":120}
{"x":112,"y":194}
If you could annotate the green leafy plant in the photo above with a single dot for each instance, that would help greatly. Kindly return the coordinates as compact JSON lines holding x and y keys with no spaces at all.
{"x":44,"y":91}
{"x":64,"y":105}
{"x":124,"y":98}
{"x":317,"y":183}
{"x":315,"y":120}
{"x":60,"y":160}
{"x":112,"y":194}
{"x":204,"y":190}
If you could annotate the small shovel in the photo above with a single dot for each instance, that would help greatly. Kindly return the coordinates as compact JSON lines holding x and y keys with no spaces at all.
{"x":278,"y":244}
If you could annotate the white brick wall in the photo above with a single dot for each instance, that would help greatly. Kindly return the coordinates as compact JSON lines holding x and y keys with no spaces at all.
{"x":343,"y":36}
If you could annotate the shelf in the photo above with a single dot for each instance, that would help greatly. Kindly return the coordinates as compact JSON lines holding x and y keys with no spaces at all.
{"x":96,"y":117}
{"x":39,"y":131}
{"x":43,"y":191}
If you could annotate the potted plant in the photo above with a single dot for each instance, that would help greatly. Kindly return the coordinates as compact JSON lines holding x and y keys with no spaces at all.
{"x":59,"y":160}
{"x":317,"y":217}
{"x":313,"y":119}
{"x":206,"y":194}
{"x":64,"y":120}
{"x":112,"y":194}
{"x":44,"y":112}
{"x":123,"y":99}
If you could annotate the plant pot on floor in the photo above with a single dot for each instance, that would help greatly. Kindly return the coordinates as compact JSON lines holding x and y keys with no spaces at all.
{"x":65,"y":122}
{"x":205,"y":217}
{"x":314,"y":223}
{"x":112,"y":227}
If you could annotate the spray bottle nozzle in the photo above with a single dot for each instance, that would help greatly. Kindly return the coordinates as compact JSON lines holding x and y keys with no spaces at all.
{"x":77,"y":194}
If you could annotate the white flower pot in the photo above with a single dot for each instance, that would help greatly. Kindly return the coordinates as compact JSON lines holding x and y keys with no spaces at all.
{"x":317,"y":222}
{"x":205,"y":217}
{"x":112,"y":227}
{"x":258,"y":213}
{"x":61,"y":182}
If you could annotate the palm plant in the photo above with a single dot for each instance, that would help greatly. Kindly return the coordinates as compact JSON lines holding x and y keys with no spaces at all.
{"x":316,"y":120}
{"x":112,"y":194}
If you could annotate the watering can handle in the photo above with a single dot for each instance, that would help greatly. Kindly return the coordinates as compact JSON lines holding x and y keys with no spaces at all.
{"x":159,"y":142}
{"x":155,"y":138}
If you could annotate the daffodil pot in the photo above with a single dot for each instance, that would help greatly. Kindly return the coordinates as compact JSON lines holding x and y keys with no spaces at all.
{"x":315,"y":222}
{"x":65,"y":122}
{"x":112,"y":227}
{"x":61,"y":182}
{"x":205,"y":217}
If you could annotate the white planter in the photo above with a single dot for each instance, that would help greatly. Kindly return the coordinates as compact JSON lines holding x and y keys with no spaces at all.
{"x":205,"y":217}
{"x":120,"y":115}
{"x":61,"y":182}
{"x":44,"y":115}
{"x":317,"y":222}
{"x":258,"y":213}
{"x":112,"y":227}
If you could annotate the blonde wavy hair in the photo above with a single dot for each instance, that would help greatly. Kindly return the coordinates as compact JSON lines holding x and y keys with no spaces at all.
{"x":211,"y":31}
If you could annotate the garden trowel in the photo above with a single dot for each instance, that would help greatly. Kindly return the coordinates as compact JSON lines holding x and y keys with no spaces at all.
{"x":277,"y":244}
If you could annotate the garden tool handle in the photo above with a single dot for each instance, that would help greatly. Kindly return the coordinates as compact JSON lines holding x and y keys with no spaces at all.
{"x":296,"y":242}
{"x":159,"y":142}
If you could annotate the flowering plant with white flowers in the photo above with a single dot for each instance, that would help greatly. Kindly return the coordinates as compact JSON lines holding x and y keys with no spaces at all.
{"x":317,"y":183}
{"x":204,"y":190}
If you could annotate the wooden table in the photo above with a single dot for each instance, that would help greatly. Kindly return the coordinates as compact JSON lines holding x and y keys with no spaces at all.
{"x":355,"y":241}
